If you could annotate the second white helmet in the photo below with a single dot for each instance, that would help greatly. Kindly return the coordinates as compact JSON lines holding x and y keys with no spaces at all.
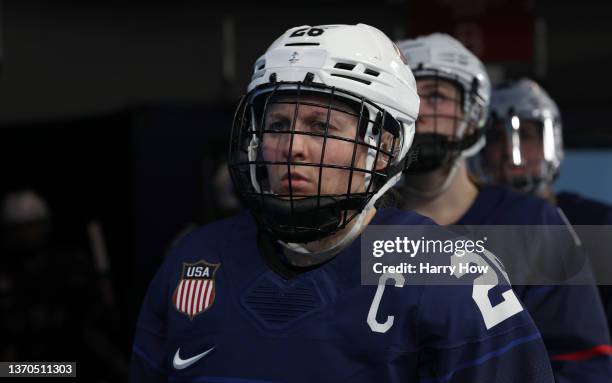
{"x":442,"y":56}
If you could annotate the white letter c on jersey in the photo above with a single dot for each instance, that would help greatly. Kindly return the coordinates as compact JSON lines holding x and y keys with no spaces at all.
{"x":372,"y":322}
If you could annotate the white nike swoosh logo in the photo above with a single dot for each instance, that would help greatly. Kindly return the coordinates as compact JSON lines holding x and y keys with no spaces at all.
{"x":179,"y":363}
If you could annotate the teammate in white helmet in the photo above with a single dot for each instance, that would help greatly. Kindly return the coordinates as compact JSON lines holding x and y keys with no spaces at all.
{"x":276,"y":295}
{"x":455,"y":89}
{"x":455,"y":94}
{"x":525,"y":142}
{"x":525,"y":150}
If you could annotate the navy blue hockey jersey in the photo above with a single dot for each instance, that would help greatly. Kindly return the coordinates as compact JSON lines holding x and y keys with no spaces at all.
{"x":581,"y":210}
{"x":584,"y":211}
{"x":216,"y":312}
{"x":570,"y":318}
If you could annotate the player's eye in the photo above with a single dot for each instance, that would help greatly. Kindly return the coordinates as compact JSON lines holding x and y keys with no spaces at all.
{"x":437,"y":98}
{"x":320,"y":126}
{"x":278,"y":126}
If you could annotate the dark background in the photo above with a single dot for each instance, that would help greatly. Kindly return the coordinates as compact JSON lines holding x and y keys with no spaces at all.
{"x":119,"y":112}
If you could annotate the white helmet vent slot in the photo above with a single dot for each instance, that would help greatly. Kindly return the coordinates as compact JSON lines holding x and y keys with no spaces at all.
{"x":301,"y":44}
{"x":345,"y":66}
{"x":371,"y":72}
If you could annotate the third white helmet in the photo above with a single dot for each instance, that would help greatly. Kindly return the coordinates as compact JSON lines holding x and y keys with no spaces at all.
{"x":526,"y":134}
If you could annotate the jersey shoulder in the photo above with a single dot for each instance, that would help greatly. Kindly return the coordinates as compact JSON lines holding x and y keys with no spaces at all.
{"x":500,"y":205}
{"x":581,"y":210}
{"x":394,"y":216}
{"x":211,"y":239}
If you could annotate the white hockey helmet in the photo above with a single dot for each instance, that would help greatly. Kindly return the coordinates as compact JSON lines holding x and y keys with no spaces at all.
{"x":512,"y":104}
{"x":441,"y":56}
{"x":354,"y":64}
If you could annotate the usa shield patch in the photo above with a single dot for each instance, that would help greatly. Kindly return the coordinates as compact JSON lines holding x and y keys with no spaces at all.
{"x":195,"y":292}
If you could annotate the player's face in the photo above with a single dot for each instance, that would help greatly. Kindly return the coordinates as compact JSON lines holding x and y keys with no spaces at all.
{"x":305,"y":148}
{"x":507,"y":161}
{"x":440,"y":108}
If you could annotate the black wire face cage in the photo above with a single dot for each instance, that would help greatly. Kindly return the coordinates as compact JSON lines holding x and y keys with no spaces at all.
{"x":447,"y":123}
{"x":306,"y":158}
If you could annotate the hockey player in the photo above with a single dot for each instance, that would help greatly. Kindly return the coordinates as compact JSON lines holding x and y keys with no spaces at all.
{"x":275,"y":296}
{"x":526,"y":121}
{"x":455,"y":94}
{"x":525,"y":150}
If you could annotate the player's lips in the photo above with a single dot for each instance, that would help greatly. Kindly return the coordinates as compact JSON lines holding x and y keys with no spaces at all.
{"x":298,"y":181}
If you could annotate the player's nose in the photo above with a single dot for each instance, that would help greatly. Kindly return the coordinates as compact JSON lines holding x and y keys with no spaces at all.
{"x":294,"y":144}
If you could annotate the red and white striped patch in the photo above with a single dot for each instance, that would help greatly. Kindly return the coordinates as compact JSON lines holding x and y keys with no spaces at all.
{"x":195,"y":292}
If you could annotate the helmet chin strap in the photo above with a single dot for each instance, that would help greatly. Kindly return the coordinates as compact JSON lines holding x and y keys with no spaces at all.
{"x":298,"y":255}
{"x":444,"y":186}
